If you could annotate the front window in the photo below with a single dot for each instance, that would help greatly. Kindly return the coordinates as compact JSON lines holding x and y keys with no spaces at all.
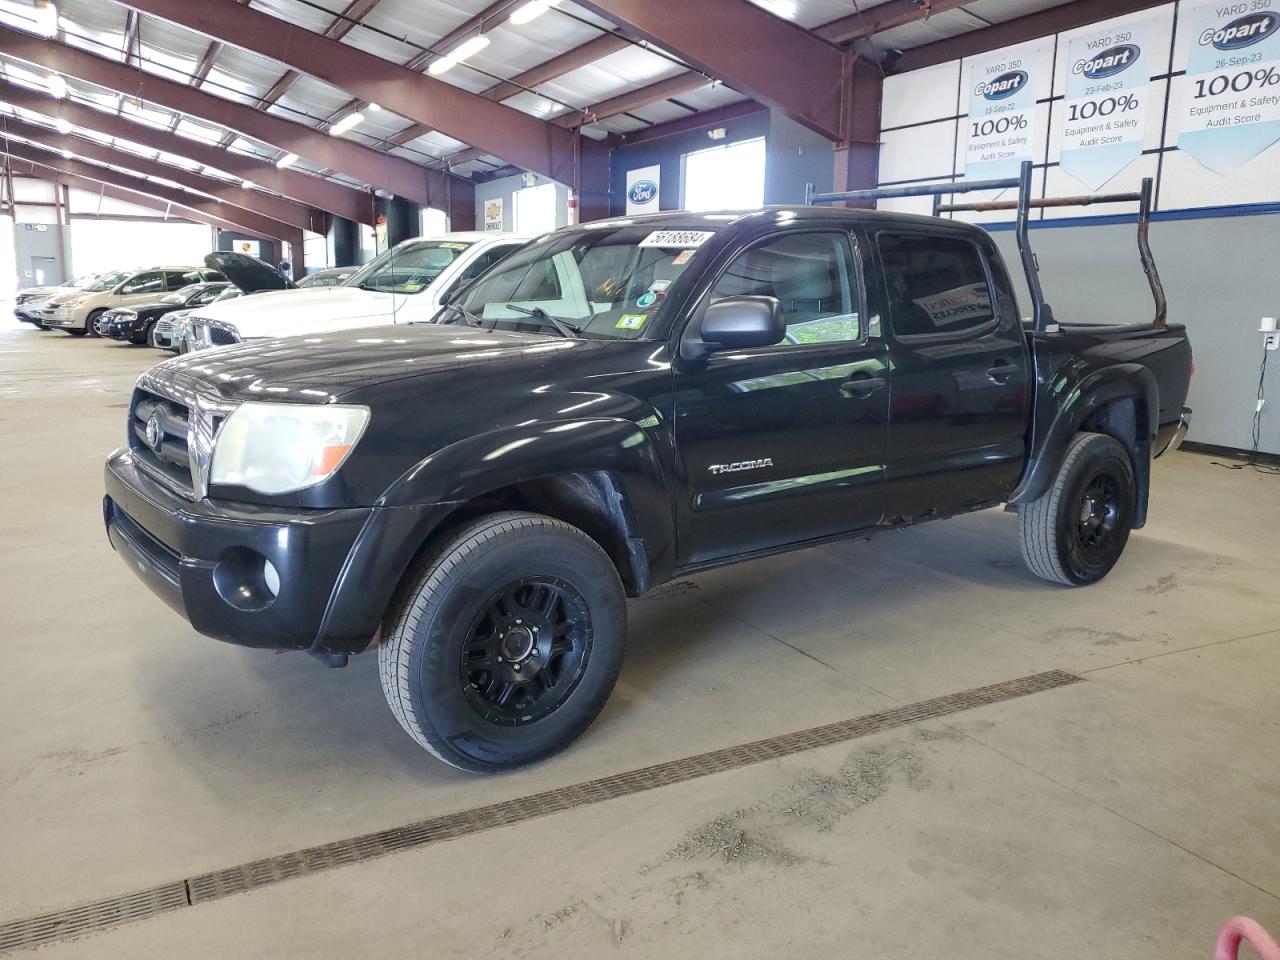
{"x":408,"y":269}
{"x":598,"y":282}
{"x":205,"y":295}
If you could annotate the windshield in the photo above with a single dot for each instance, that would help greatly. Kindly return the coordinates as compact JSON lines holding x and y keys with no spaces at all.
{"x":83,"y":283}
{"x":598,"y":282}
{"x":107,"y":281}
{"x":228,"y":294}
{"x":409,"y":268}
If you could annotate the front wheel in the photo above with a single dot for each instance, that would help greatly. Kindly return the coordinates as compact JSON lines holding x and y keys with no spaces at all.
{"x":91,"y":325}
{"x":1075,"y":532}
{"x":506,"y":642}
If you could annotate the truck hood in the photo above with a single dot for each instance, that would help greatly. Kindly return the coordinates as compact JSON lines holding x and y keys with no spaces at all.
{"x":323,"y":367}
{"x":283,"y":313}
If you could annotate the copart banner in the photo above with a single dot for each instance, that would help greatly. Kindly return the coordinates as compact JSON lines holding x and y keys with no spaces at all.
{"x":1104,"y":115}
{"x":1232,"y":108}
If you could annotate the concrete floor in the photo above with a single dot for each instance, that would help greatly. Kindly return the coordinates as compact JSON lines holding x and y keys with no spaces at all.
{"x":1128,"y":815}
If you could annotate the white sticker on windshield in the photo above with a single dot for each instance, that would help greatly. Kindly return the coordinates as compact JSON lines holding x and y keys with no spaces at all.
{"x":680,"y":239}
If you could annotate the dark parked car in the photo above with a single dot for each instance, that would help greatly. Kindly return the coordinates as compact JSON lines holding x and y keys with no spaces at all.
{"x":137,"y":324}
{"x":615,"y":405}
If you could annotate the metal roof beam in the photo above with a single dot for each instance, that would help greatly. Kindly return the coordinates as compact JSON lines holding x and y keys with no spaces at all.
{"x":635,"y":99}
{"x":518,"y":137}
{"x":766,"y":57}
{"x":238,"y":219}
{"x":25,"y":168}
{"x":311,"y":191}
{"x":401,"y":177}
{"x":233,"y":194}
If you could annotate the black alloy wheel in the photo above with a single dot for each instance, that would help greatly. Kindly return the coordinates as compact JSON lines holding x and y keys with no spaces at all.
{"x":505,"y":641}
{"x":526,"y":651}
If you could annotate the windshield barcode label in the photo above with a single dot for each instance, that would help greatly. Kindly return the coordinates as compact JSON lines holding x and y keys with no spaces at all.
{"x":683,"y":239}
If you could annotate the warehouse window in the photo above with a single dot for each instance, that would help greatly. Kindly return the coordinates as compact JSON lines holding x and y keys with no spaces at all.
{"x":728,"y":177}
{"x":535,"y":209}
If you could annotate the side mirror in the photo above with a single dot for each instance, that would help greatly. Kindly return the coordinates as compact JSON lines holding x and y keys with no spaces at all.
{"x":737,"y":323}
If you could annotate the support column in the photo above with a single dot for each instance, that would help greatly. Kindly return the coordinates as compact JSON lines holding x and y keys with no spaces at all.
{"x":857,"y":160}
{"x":342,"y":242}
{"x":593,"y":175}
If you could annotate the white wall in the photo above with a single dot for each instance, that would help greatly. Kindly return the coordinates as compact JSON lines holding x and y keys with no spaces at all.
{"x":506,"y":188}
{"x":924,"y":132}
{"x":109,"y":244}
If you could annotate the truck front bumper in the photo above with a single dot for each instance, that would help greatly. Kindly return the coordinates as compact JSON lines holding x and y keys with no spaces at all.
{"x":299,"y":579}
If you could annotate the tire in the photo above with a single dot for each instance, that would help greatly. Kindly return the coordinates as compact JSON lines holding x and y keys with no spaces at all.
{"x":149,"y":338}
{"x":534,"y":680}
{"x":91,"y":323}
{"x":1075,"y":533}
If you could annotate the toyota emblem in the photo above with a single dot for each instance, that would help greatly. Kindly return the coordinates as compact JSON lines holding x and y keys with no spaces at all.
{"x":155,"y":433}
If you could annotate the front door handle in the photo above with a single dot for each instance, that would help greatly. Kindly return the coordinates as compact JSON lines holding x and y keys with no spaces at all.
{"x":1000,"y":371}
{"x":861,"y":387}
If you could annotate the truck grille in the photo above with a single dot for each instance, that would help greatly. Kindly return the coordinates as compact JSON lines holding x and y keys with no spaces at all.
{"x":164,"y":452}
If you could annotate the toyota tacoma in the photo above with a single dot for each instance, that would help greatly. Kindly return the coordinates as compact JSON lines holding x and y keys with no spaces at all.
{"x":618,"y":404}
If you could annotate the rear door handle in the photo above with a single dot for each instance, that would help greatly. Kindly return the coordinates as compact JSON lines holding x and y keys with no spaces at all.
{"x":861,"y":387}
{"x":1000,"y":371}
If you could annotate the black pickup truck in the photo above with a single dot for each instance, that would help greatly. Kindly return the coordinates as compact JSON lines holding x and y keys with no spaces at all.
{"x":619,"y":404}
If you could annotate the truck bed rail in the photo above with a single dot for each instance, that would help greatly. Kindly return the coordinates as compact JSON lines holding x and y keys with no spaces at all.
{"x":1042,"y":313}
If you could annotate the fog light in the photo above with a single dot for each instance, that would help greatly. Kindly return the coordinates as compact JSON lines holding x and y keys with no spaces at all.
{"x":246,"y":579}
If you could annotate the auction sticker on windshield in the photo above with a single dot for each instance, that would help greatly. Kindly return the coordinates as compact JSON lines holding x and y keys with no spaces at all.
{"x":680,"y":239}
{"x":631,"y":321}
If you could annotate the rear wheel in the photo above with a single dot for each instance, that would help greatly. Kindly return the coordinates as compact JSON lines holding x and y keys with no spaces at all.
{"x":506,"y":643}
{"x":1074,"y":534}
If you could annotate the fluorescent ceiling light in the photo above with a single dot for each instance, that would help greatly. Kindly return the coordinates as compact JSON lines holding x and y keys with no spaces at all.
{"x":248,"y":184}
{"x":373,"y":108}
{"x":286,"y":160}
{"x":46,"y":18}
{"x":531,"y":11}
{"x":56,"y":85}
{"x":459,"y":53}
{"x":63,"y":126}
{"x":346,"y":123}
{"x":67,"y":154}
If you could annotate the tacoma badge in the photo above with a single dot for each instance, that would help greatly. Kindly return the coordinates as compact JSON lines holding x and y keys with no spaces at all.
{"x":718,"y":468}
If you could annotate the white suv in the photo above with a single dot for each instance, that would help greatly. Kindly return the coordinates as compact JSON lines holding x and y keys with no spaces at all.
{"x":405,"y":284}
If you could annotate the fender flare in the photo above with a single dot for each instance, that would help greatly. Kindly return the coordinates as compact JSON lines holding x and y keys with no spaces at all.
{"x":1092,"y":391}
{"x":621,"y":458}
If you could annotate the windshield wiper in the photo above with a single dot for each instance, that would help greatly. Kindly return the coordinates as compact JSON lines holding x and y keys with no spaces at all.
{"x":563,"y":327}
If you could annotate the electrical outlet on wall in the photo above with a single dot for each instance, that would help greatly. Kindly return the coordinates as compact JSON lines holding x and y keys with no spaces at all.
{"x":1271,"y":335}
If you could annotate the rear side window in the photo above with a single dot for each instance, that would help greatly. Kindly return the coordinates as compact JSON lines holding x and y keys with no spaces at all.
{"x":936,"y":285}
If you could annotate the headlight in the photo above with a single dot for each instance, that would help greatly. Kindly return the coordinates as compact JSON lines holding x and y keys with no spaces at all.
{"x":279,"y":447}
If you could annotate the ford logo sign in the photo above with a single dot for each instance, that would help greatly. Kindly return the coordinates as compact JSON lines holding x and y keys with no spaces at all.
{"x":1005,"y":85}
{"x":1242,"y":32}
{"x":642,"y":191}
{"x":1111,"y":61}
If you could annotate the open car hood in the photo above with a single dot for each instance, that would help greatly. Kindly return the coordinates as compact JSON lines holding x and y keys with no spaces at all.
{"x":248,"y":273}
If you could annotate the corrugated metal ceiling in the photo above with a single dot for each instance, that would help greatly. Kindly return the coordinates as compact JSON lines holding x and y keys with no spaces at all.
{"x":405,"y":30}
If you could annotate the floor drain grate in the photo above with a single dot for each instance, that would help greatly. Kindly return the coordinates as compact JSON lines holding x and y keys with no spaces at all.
{"x":90,"y":917}
{"x":104,"y":914}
